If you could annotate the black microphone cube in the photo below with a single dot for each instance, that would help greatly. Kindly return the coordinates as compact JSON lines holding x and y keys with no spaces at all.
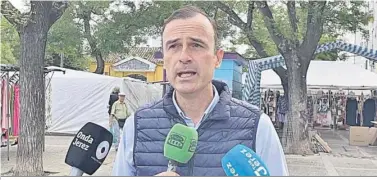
{"x":89,"y":148}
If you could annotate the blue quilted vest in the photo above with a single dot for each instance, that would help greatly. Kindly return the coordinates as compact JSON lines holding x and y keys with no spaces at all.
{"x":231,"y":122}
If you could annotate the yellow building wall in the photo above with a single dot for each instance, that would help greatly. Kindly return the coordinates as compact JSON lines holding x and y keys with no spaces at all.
{"x":151,"y":76}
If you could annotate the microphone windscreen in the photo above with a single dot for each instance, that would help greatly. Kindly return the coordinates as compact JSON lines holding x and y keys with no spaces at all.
{"x":89,"y":148}
{"x":180,"y":143}
{"x":242,"y":161}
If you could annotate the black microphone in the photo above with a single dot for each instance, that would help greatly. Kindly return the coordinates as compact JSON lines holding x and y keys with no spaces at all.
{"x":88,"y":149}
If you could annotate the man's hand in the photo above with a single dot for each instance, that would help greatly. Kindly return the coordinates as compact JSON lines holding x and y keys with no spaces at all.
{"x":111,"y":120}
{"x":170,"y":173}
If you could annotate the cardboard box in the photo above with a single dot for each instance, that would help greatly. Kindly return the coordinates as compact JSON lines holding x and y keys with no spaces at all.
{"x":359,"y":136}
{"x":373,"y":136}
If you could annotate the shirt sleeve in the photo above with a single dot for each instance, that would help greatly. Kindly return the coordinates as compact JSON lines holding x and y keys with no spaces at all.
{"x":269,"y":148}
{"x":123,"y":163}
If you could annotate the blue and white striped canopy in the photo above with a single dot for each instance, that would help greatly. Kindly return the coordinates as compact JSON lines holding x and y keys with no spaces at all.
{"x":251,"y":90}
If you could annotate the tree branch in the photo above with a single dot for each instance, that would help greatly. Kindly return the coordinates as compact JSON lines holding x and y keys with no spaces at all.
{"x":250,"y":10}
{"x":314,"y":29}
{"x":270,"y":23}
{"x":256,"y":44}
{"x":282,"y":73}
{"x":291,"y":6}
{"x":233,"y":17}
{"x":13,"y":15}
{"x":57,"y":10}
{"x":235,"y":20}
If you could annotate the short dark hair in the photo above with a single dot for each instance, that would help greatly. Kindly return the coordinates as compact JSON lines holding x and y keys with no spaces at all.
{"x":190,"y":11}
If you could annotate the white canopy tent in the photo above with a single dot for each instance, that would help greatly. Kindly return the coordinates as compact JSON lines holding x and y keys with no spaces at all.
{"x":77,"y":97}
{"x":328,"y":75}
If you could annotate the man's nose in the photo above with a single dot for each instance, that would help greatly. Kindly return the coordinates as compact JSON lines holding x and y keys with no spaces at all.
{"x":185,"y":56}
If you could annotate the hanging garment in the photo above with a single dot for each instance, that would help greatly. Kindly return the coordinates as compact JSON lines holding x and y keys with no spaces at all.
{"x":369,"y":112}
{"x":16,"y":110}
{"x":327,"y":120}
{"x":323,"y":105}
{"x":281,"y":109}
{"x":11,"y":107}
{"x":4,"y":91}
{"x":351,"y":112}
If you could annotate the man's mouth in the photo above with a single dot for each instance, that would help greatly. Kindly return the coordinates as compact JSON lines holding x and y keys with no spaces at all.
{"x":186,"y":74}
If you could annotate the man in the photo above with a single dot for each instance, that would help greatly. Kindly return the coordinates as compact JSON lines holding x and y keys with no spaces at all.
{"x":119,"y":114}
{"x":113,"y":97}
{"x":119,"y":111}
{"x":190,"y":58}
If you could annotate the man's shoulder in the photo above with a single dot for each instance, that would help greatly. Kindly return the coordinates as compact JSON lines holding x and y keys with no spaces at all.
{"x":244,"y":107}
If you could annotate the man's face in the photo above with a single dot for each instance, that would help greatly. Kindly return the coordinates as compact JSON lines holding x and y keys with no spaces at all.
{"x":121,"y":98}
{"x":189,"y":53}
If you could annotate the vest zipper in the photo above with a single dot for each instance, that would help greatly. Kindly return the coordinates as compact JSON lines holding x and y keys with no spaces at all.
{"x":191,"y":166}
{"x":191,"y":162}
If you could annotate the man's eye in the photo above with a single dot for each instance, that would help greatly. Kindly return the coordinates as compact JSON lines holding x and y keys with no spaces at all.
{"x":197,"y":45}
{"x":172,"y":46}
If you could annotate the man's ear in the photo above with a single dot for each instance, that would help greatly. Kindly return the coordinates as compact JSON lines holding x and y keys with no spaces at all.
{"x":219,"y":55}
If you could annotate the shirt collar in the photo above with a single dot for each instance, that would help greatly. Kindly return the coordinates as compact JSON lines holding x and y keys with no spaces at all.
{"x":213,"y":103}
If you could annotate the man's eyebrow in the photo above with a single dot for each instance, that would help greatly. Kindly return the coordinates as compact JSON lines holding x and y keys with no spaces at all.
{"x":171,"y":41}
{"x":198,"y":40}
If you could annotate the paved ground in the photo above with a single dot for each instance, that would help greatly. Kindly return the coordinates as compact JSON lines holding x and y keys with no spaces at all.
{"x":344,"y":161}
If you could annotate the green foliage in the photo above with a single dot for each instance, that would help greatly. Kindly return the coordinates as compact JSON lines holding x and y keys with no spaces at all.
{"x":342,"y":16}
{"x":64,"y":38}
{"x":158,"y":11}
{"x":114,"y":29}
{"x":10,"y":43}
{"x":339,"y":17}
{"x":7,"y":54}
{"x":124,"y":29}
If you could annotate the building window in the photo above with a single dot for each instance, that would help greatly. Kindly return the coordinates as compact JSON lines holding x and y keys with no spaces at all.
{"x":138,"y":76}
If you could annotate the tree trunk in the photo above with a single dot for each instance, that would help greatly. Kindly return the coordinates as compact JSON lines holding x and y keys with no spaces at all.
{"x":297,"y":141}
{"x":93,"y":43}
{"x":33,"y":37}
{"x":100,"y":63}
{"x":32,"y":99}
{"x":284,"y":83}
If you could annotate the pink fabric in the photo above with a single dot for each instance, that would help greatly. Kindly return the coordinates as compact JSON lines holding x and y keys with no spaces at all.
{"x":4,"y":93}
{"x":16,"y":110}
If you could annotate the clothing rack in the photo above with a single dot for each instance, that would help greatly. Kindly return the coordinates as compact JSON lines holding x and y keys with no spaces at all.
{"x":10,"y":80}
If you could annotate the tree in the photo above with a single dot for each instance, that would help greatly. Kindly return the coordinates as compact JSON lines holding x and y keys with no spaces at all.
{"x":112,"y":30}
{"x":65,"y":42}
{"x":84,"y":11}
{"x":32,"y":28}
{"x":64,"y":37}
{"x":296,"y":39}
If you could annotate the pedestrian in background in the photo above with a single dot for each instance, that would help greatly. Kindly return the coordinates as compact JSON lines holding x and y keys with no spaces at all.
{"x":119,"y":114}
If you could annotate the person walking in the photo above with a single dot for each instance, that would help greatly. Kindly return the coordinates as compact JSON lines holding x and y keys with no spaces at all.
{"x":119,"y":114}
